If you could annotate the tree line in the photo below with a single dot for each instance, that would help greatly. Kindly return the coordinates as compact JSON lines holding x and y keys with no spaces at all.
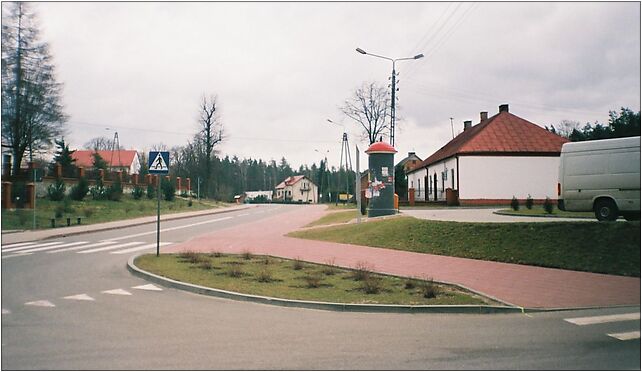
{"x":626,"y":123}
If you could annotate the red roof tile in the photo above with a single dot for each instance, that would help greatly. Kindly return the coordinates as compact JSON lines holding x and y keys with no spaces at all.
{"x":289,"y":181}
{"x":502,"y":133}
{"x":121,"y":158}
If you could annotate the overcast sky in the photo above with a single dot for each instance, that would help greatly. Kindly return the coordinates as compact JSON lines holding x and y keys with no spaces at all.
{"x":281,"y":69}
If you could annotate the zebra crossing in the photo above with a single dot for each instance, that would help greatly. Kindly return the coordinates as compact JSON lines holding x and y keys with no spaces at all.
{"x":607,"y":319}
{"x":80,"y":247}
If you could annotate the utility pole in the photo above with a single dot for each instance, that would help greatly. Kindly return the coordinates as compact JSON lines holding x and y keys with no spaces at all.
{"x":392,"y":106}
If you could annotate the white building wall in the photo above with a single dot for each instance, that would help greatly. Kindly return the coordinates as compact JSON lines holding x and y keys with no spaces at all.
{"x":449,"y":181}
{"x":416,"y":179}
{"x":502,"y":177}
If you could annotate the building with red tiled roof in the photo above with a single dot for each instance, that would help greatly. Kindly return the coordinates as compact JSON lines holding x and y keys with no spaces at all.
{"x":489,"y":163}
{"x":125,"y":160}
{"x":298,"y":189}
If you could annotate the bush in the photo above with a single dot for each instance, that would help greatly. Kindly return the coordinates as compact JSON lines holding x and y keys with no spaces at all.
{"x":138,"y":192}
{"x":429,"y":289}
{"x":362,"y":271}
{"x":529,"y":202}
{"x":206,"y":265}
{"x":247,"y":255}
{"x":56,"y":191}
{"x":80,"y":190}
{"x":189,"y":203}
{"x":514,"y":203}
{"x":264,"y":276}
{"x":330,"y":267}
{"x":115,"y":191}
{"x":235,"y":271}
{"x":98,"y":192}
{"x":548,"y":206}
{"x":151,"y":191}
{"x":313,"y":280}
{"x":297,"y":264}
{"x":168,"y":189}
{"x":372,"y":284}
{"x":410,"y":284}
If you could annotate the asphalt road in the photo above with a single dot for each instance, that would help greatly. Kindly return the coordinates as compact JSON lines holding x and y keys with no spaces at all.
{"x":75,"y":306}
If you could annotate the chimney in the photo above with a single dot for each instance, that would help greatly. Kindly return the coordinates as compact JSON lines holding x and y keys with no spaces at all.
{"x":468,"y":124}
{"x":503,"y":108}
{"x":411,"y":153}
{"x":483,"y":115}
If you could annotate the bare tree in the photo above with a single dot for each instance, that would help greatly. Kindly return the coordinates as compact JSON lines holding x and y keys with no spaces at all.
{"x":370,"y":107}
{"x":100,"y":143}
{"x":211,"y":133}
{"x":32,"y":114}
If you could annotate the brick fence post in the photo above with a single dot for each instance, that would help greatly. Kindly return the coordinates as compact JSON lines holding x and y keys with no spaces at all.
{"x":31,"y":195}
{"x":178,"y":184}
{"x":135,"y":179}
{"x":189,"y":185}
{"x":411,"y":197}
{"x":58,"y":170}
{"x":6,"y":195}
{"x":81,"y":172}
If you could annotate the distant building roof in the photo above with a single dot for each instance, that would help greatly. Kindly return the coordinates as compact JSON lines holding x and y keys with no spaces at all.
{"x":120,"y":158}
{"x":289,"y":181}
{"x":503,"y":133}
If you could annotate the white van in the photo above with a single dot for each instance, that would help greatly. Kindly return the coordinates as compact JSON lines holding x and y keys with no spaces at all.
{"x":601,"y":176}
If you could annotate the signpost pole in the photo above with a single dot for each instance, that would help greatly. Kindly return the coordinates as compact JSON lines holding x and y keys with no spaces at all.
{"x":357,"y":186}
{"x":158,"y":191}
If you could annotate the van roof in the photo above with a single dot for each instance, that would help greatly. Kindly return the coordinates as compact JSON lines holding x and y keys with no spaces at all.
{"x":604,"y":144}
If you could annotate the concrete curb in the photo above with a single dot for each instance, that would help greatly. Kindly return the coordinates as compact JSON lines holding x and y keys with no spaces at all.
{"x":500,"y":213}
{"x":370,"y":308}
{"x":106,"y":226}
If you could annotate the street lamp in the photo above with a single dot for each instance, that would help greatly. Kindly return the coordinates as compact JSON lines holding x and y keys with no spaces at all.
{"x":394,"y":83}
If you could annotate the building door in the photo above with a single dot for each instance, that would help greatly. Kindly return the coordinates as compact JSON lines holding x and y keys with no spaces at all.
{"x":434,"y":186}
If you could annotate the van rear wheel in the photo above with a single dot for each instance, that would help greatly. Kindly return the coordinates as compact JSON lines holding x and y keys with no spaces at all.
{"x":606,"y":210}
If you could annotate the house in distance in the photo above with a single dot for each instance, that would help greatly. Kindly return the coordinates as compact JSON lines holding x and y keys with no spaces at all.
{"x":297,"y":189}
{"x":489,"y":163}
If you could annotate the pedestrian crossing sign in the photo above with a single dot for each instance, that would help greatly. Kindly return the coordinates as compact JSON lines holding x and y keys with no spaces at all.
{"x":158,"y":162}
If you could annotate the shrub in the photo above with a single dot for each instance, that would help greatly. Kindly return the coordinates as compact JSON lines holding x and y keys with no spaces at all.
{"x":529,"y":202}
{"x":410,"y":284}
{"x":189,"y":203}
{"x":137,"y":192}
{"x":313,"y":280}
{"x":372,"y":284}
{"x":80,"y":190}
{"x":168,"y":189}
{"x":235,"y":271}
{"x":190,"y":256}
{"x":151,"y":191}
{"x":548,"y":206}
{"x":115,"y":191}
{"x":429,"y":289}
{"x":297,"y":264}
{"x":216,"y":254}
{"x":362,"y":271}
{"x":98,"y":192}
{"x":56,"y":191}
{"x":514,"y":203}
{"x":264,"y":276}
{"x":330,"y":267}
{"x":206,"y":265}
{"x":266,"y":260}
{"x":247,"y":255}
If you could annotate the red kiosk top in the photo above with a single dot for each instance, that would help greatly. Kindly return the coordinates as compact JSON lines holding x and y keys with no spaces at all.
{"x":381,"y":148}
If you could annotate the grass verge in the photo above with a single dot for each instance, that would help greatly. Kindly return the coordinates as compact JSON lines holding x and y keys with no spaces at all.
{"x":609,"y":248}
{"x":276,"y":277}
{"x":95,"y":211}
{"x":335,"y":217}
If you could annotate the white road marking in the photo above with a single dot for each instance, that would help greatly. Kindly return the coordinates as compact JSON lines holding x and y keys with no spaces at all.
{"x":110,"y":247}
{"x":80,"y":297}
{"x":242,"y":215}
{"x":625,"y":336}
{"x":5,"y":312}
{"x":147,"y":246}
{"x":81,"y":247}
{"x":119,"y":291}
{"x":603,"y":319}
{"x":14,"y":245}
{"x":42,"y":303}
{"x":171,"y":228}
{"x":15,"y":255}
{"x":53,"y":247}
{"x":29,"y":246}
{"x":148,"y":287}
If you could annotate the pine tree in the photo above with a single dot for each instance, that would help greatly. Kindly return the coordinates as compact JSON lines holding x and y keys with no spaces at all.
{"x":32,"y":113}
{"x":64,"y":158}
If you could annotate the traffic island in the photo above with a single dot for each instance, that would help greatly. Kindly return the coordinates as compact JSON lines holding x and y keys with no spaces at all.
{"x":294,"y":283}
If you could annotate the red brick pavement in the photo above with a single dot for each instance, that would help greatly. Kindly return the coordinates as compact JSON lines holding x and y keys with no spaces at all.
{"x":521,"y":285}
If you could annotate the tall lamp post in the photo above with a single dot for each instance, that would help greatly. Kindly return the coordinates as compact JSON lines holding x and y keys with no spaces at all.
{"x":394,"y":88}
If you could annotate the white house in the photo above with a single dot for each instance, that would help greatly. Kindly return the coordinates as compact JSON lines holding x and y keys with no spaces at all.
{"x":124,"y":160}
{"x":489,"y":163}
{"x":298,"y":189}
